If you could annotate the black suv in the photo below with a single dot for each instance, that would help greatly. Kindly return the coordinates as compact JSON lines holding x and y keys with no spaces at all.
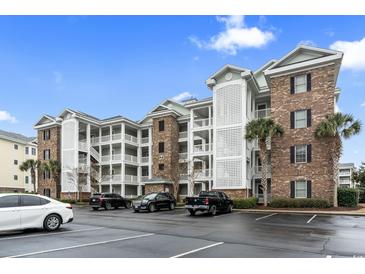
{"x":154,"y":201}
{"x":108,"y":201}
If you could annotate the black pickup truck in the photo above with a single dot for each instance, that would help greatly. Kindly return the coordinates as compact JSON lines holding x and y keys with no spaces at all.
{"x":209,"y":202}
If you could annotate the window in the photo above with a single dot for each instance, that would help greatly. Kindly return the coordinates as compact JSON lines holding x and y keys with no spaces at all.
{"x":47,"y":154}
{"x":27,"y":150}
{"x":301,"y":154}
{"x":27,"y":179}
{"x":301,"y":189}
{"x":161,"y":147}
{"x":47,"y":192}
{"x":16,"y":177}
{"x":46,"y":174}
{"x":15,"y":162}
{"x":33,"y":151}
{"x":16,"y":146}
{"x":9,"y":201}
{"x":161,"y":125}
{"x":300,"y":119}
{"x":300,"y":84}
{"x":26,"y":200}
{"x":46,"y":134}
{"x":161,"y":167}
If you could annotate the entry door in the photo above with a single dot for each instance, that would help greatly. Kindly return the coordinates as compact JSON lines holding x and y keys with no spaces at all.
{"x":9,"y":212}
{"x":32,"y":211}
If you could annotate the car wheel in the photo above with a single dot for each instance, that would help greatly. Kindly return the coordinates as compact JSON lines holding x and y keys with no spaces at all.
{"x":230,"y":207}
{"x":213,"y":210}
{"x":127,"y":205}
{"x":152,"y":208}
{"x":95,"y":208}
{"x":192,"y":212}
{"x":108,"y":206}
{"x":172,"y":206}
{"x":52,"y":222}
{"x":136,"y":210}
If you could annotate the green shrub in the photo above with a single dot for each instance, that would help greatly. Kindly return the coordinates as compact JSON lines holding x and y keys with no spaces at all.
{"x":361,"y":194}
{"x":68,"y":201}
{"x":245,"y":202}
{"x":348,"y":197}
{"x":299,"y":203}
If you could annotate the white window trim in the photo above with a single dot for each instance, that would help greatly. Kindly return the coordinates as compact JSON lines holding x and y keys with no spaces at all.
{"x":305,"y":83}
{"x":295,"y":189}
{"x":306,"y":154}
{"x":295,"y":118}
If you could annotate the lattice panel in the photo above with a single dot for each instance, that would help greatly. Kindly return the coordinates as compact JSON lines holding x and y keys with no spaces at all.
{"x":228,"y":105}
{"x":229,"y":173}
{"x":229,"y":142}
{"x":68,"y":135}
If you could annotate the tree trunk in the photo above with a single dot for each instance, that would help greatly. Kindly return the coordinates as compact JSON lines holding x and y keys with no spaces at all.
{"x":263,"y":157}
{"x":336,"y":151}
{"x":32,"y":174}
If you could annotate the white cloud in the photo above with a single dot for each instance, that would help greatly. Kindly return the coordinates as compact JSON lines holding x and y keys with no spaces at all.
{"x":182,"y":96}
{"x":6,"y":116}
{"x":363,"y":104}
{"x":354,"y":53}
{"x":235,"y":36}
{"x":307,"y":43}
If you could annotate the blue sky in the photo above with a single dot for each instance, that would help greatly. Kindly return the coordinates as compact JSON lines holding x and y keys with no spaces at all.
{"x":125,"y":65}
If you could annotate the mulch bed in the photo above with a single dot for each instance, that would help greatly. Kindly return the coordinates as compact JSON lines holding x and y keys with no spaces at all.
{"x":334,"y":209}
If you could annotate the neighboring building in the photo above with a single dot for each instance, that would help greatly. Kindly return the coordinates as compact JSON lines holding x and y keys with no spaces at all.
{"x":345,"y":175}
{"x":130,"y":158}
{"x":14,"y":150}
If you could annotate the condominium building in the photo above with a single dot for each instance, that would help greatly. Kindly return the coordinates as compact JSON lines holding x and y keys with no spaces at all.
{"x":14,"y":150}
{"x":345,"y":175}
{"x":207,"y":136}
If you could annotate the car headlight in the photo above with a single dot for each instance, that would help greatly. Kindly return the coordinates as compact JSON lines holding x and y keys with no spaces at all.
{"x":144,"y":202}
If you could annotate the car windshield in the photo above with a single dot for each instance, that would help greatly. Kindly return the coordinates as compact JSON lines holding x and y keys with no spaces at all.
{"x":207,"y":194}
{"x":96,"y":195}
{"x":150,"y":196}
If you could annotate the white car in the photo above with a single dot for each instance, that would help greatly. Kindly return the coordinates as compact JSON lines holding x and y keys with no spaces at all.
{"x":22,"y":211}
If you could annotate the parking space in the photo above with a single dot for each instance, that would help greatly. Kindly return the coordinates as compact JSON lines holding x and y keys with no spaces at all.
{"x":124,"y":234}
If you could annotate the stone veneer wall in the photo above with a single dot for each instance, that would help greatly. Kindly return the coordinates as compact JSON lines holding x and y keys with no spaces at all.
{"x":235,"y":193}
{"x":157,"y":188}
{"x":84,"y":196}
{"x":321,"y":102}
{"x":54,"y":144}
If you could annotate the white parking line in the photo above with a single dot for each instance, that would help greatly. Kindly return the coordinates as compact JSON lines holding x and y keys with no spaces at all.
{"x":50,"y":234}
{"x":196,"y":250}
{"x":315,"y":215}
{"x":78,"y":246}
{"x":267,"y":216}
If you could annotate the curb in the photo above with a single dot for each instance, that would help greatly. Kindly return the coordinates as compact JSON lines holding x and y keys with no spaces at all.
{"x":343,"y":213}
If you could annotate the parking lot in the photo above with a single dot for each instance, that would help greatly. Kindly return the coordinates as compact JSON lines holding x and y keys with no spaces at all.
{"x":124,"y":234}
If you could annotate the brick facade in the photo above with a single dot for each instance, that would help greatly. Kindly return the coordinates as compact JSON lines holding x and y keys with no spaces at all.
{"x":321,"y":101}
{"x":158,"y":188}
{"x":54,"y":144}
{"x":84,"y":196}
{"x":235,"y":193}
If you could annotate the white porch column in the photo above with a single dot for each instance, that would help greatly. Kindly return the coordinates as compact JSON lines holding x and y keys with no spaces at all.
{"x":123,"y":160}
{"x":88,"y":160}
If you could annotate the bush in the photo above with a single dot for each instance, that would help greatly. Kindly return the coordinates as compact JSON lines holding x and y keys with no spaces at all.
{"x":348,"y":197}
{"x":361,"y":194}
{"x":68,"y":201}
{"x":299,"y":203}
{"x":245,"y":202}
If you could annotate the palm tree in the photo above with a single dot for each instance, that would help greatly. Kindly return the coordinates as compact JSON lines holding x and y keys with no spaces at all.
{"x":335,"y":127}
{"x":31,"y":165}
{"x":263,"y":129}
{"x":54,"y":168}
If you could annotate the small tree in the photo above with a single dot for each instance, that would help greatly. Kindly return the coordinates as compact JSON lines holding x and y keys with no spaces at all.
{"x":33,"y":166}
{"x":77,"y":178}
{"x":192,"y":173}
{"x":358,"y":175}
{"x":335,"y":127}
{"x":263,"y":129}
{"x":54,"y":168}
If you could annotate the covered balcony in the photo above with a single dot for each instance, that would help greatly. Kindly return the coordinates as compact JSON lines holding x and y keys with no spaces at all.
{"x":202,"y":117}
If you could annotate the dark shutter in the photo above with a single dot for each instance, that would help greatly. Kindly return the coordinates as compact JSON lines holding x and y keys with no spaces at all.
{"x":309,"y":153}
{"x":309,"y":82}
{"x":309,"y":189}
{"x":292,"y":84}
{"x":44,"y":154}
{"x":292,"y":189}
{"x":292,"y":154}
{"x":292,"y":119}
{"x":309,"y":118}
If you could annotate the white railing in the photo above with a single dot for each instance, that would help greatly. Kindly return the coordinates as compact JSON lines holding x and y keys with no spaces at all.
{"x":258,"y":169}
{"x":117,"y":178}
{"x":263,"y":113}
{"x":116,"y":136}
{"x":95,"y":140}
{"x":202,"y":122}
{"x":183,"y":134}
{"x":105,"y":138}
{"x":183,"y":155}
{"x":145,"y":159}
{"x":144,"y":178}
{"x":105,"y":158}
{"x":204,"y":173}
{"x":345,"y":181}
{"x":201,"y":148}
{"x":344,"y":173}
{"x":145,"y":140}
{"x":95,"y":154}
{"x":83,"y":160}
{"x":183,"y":176}
{"x":83,"y":145}
{"x":116,"y":157}
{"x":256,"y":144}
{"x":105,"y":178}
{"x":130,"y":138}
{"x":131,"y":178}
{"x":131,"y":158}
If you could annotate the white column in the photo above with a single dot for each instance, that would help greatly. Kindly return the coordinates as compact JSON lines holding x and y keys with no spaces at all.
{"x":88,"y":160}
{"x":210,"y":114}
{"x":190,"y":163}
{"x":123,"y":161}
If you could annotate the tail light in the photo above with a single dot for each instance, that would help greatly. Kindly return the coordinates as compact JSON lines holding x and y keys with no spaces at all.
{"x":69,"y":206}
{"x":206,"y":201}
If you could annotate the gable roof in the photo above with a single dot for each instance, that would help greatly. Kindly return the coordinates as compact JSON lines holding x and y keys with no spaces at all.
{"x":16,"y":137}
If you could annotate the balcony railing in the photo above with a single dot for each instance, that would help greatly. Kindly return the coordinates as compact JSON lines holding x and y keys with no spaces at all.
{"x":116,"y":136}
{"x":204,"y":173}
{"x":116,"y":178}
{"x":83,"y":145}
{"x":183,"y":155}
{"x":145,"y":140}
{"x":105,"y":138}
{"x":105,"y":178}
{"x":116,"y":157}
{"x":202,"y":148}
{"x":183,"y":134}
{"x":131,"y":179}
{"x":130,"y":138}
{"x":183,"y":176}
{"x":94,"y":140}
{"x":145,"y":159}
{"x":202,"y":122}
{"x":263,"y":113}
{"x":131,"y":158}
{"x":105,"y":158}
{"x":82,"y":161}
{"x":258,"y":169}
{"x":144,"y":178}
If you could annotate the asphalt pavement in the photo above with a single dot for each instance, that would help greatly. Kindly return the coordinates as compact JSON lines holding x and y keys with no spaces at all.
{"x":164,"y":234}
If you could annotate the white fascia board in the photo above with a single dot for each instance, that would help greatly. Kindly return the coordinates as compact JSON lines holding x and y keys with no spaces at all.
{"x":265,"y":66}
{"x":163,"y":113}
{"x":52,"y":124}
{"x":200,"y":104}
